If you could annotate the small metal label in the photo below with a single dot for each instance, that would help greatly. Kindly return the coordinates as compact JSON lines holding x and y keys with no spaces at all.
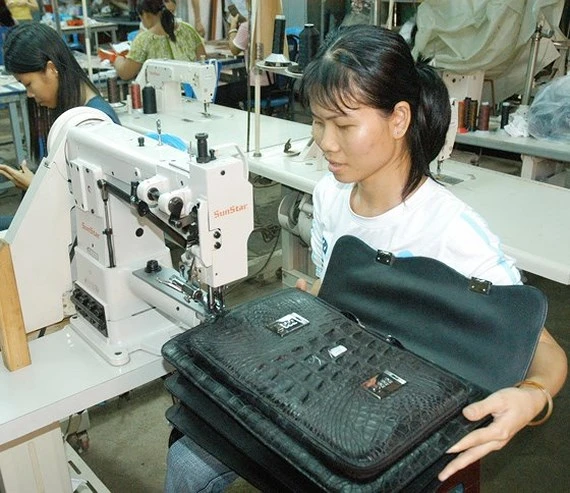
{"x":383,"y":384}
{"x":287,"y":324}
{"x":337,"y":351}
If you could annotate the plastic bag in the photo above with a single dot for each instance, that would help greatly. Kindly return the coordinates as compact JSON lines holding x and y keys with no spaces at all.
{"x":549,"y":113}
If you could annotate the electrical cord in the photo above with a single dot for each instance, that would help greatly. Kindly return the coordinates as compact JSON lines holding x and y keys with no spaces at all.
{"x":263,"y":267}
{"x":258,"y":181}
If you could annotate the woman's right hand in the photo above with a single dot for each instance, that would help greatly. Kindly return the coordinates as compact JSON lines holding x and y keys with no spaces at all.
{"x":303,"y":285}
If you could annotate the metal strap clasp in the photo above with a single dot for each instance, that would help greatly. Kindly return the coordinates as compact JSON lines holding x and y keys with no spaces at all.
{"x":384,"y":257}
{"x":480,"y":285}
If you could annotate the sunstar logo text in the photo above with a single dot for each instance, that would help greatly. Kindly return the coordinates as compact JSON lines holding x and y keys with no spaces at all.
{"x":229,"y":211}
{"x":90,"y":230}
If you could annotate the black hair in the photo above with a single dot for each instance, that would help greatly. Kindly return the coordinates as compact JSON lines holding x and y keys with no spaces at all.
{"x":156,"y":7}
{"x":373,"y":66}
{"x":28,"y":48}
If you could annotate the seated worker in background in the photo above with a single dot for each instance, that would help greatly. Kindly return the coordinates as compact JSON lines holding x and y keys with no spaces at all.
{"x":235,"y":94}
{"x":380,"y":118}
{"x":171,"y":5}
{"x":39,"y":58}
{"x":22,"y":10}
{"x":164,"y":38}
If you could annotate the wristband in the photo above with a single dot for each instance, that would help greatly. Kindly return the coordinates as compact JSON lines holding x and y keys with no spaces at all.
{"x":231,"y":31}
{"x":549,"y":404}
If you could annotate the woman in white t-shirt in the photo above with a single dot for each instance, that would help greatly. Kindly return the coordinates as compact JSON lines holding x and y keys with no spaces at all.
{"x":380,"y":118}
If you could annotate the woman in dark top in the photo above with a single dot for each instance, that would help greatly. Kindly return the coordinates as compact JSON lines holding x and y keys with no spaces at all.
{"x":39,"y":58}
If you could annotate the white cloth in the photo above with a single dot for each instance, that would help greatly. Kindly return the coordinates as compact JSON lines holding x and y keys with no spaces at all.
{"x":431,"y":223}
{"x":491,"y":35}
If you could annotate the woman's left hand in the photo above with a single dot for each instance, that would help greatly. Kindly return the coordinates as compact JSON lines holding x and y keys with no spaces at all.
{"x":512,"y":409}
{"x":22,"y":178}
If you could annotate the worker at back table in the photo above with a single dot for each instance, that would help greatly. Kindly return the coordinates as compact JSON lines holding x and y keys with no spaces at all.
{"x":22,"y":10}
{"x":234,"y":94}
{"x":171,"y":5}
{"x":164,"y":38}
{"x":38,"y":57}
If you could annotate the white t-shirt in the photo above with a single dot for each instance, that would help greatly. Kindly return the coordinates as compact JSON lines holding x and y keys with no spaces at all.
{"x":431,"y":223}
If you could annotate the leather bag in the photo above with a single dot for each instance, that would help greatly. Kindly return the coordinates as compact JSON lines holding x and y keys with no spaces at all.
{"x":354,"y":400}
{"x":283,"y":392}
{"x":484,"y":333}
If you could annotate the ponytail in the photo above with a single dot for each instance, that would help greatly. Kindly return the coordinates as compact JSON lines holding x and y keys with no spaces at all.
{"x":434,"y":107}
{"x":157,"y":7}
{"x":168,"y":23}
{"x":429,"y":127}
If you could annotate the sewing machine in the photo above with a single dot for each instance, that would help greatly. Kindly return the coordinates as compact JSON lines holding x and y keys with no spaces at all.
{"x":128,"y":193}
{"x":166,"y":76}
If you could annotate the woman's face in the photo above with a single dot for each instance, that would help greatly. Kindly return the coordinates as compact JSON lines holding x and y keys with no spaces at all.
{"x":42,"y":85}
{"x":148,"y":20}
{"x":358,"y":143}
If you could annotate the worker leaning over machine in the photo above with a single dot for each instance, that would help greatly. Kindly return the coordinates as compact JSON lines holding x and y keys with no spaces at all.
{"x":55,"y":82}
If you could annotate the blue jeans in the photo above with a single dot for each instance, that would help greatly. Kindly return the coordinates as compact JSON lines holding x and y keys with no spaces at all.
{"x":190,"y":469}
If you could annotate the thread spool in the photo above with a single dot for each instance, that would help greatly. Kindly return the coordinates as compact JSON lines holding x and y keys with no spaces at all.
{"x":505,"y":109}
{"x":113,"y":95}
{"x":149,"y":100}
{"x":202,"y":147}
{"x":135,"y":91}
{"x":123,"y":91}
{"x":467,"y":114}
{"x":309,"y":41}
{"x":461,"y":117}
{"x":473,"y":105}
{"x":278,"y":34}
{"x":277,"y":58}
{"x":484,"y":115}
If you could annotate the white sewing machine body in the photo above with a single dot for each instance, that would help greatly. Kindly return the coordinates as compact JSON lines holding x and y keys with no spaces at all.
{"x":128,"y":193}
{"x":166,"y":76}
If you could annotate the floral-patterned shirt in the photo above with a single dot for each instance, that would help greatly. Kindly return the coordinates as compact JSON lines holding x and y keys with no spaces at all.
{"x":147,"y":45}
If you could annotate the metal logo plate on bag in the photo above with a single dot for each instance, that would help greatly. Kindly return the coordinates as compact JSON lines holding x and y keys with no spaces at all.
{"x":287,"y":324}
{"x":383,"y":384}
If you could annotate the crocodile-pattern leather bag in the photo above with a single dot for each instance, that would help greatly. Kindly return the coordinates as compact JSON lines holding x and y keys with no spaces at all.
{"x":221,"y":421}
{"x":342,"y":403}
{"x":356,"y":401}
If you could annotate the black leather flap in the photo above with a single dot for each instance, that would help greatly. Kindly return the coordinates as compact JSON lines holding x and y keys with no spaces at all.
{"x":486,"y":334}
